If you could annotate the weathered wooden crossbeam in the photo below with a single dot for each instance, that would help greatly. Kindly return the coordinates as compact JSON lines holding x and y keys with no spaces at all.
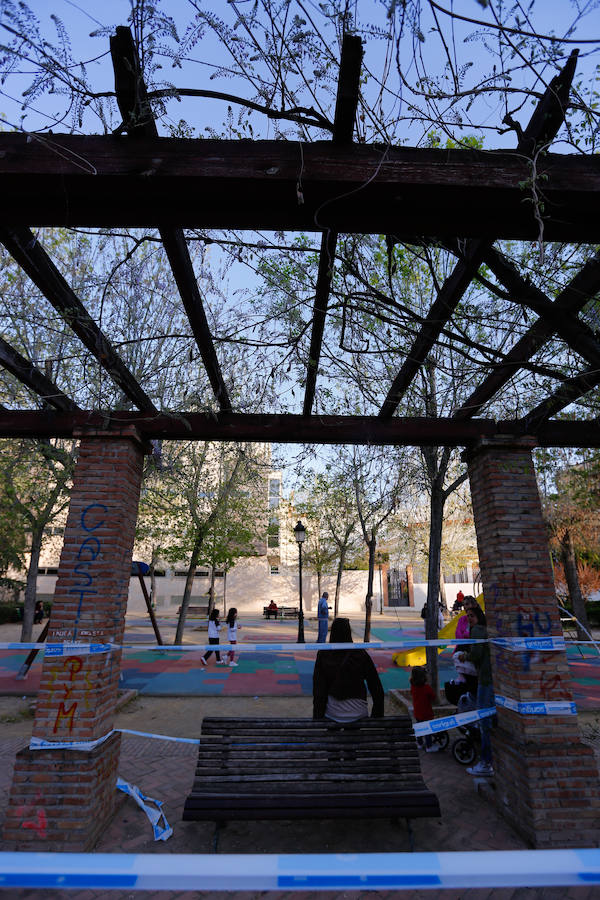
{"x":106,"y":180}
{"x":294,"y":428}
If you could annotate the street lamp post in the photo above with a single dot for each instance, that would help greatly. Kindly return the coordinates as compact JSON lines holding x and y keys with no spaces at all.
{"x":300,"y":535}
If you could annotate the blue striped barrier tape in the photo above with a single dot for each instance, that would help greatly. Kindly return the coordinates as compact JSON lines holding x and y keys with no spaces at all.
{"x":310,"y":871}
{"x":433,"y":726}
{"x":160,"y":827}
{"x":538,"y":707}
{"x":73,"y":648}
{"x":445,"y":723}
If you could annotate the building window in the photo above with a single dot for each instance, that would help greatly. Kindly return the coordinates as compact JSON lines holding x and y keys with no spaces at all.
{"x":274,"y":570}
{"x":273,"y":532}
{"x":274,"y":492}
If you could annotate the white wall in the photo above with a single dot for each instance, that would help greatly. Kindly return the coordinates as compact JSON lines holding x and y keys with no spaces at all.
{"x":420,"y":593}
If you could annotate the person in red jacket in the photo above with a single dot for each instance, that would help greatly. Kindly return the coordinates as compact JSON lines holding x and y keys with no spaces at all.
{"x":422,"y":698}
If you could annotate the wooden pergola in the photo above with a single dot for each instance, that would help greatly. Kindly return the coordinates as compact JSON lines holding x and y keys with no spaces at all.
{"x":463,"y":199}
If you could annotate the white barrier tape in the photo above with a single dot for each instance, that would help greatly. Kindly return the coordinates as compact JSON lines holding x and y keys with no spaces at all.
{"x":311,"y":871}
{"x":162,"y":832}
{"x":524,"y":643}
{"x":290,"y":647}
{"x":538,"y":707}
{"x":158,"y":737}
{"x":40,"y":744}
{"x":434,"y":726}
{"x":74,"y":649}
{"x":65,"y":649}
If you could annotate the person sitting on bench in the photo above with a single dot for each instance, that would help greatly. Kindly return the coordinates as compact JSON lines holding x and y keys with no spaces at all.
{"x":339,"y":677}
{"x":272,"y":610}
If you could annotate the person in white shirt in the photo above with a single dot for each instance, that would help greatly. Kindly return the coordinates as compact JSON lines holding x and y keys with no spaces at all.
{"x":232,"y":627}
{"x":214,"y":626}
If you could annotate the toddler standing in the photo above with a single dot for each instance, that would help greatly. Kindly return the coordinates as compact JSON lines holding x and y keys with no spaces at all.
{"x":232,"y":627}
{"x":422,"y":697}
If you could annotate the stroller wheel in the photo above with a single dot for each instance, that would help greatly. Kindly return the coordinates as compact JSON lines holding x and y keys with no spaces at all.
{"x":464,"y":751}
{"x":442,"y":739}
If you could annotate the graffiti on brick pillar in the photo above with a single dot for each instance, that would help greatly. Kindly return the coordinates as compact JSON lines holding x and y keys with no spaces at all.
{"x":89,"y":550}
{"x":66,"y":711}
{"x":33,"y":816}
{"x":529,"y":626}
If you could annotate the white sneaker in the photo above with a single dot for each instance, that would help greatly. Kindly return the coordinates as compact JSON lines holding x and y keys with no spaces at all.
{"x":232,"y":664}
{"x":202,"y":660}
{"x":433,"y":749}
{"x":221,"y":662}
{"x":481,"y":768}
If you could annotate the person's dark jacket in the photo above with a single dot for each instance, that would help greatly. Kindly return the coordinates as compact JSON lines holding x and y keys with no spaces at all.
{"x":342,"y":673}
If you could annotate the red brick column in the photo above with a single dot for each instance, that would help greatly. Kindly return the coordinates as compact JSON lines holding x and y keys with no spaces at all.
{"x":546,"y":779}
{"x":61,"y":799}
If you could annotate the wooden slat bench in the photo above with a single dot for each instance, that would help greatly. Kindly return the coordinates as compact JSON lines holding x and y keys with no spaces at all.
{"x":305,"y":769}
{"x":283,"y":612}
{"x":195,"y":611}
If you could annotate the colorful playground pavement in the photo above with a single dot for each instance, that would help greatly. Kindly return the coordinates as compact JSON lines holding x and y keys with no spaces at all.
{"x":269,"y":673}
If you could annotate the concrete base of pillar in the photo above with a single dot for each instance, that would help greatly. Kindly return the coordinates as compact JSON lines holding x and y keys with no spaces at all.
{"x":61,"y":800}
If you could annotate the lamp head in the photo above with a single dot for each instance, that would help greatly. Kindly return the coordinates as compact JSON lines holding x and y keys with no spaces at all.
{"x":300,"y":533}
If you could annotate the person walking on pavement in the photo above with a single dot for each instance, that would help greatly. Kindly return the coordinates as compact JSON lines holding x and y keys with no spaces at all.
{"x":232,"y":627}
{"x":323,"y":617}
{"x":214,"y":626}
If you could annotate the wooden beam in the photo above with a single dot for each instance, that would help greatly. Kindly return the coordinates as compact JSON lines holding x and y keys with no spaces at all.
{"x":139,"y":122}
{"x":575,"y":333}
{"x":24,"y":247}
{"x":542,"y":129}
{"x":112,"y":181}
{"x":343,"y":126}
{"x":36,"y":381}
{"x":570,"y":390}
{"x":294,"y":429}
{"x":571,"y":300}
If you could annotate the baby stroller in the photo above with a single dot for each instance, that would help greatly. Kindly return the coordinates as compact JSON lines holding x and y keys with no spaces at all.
{"x":465,"y":748}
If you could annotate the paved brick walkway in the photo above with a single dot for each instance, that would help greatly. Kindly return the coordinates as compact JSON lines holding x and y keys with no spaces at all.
{"x":164,"y":771}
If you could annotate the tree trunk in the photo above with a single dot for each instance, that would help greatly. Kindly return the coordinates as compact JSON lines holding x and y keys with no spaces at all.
{"x":31,"y":584}
{"x":443,"y":599}
{"x":319,"y":576}
{"x":211,"y":591}
{"x":577,"y":602}
{"x":153,"y":560}
{"x":369,"y":598}
{"x":340,"y":569}
{"x":433,"y":580}
{"x":187,"y":591}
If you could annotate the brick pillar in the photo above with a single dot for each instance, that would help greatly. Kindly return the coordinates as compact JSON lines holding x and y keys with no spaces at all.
{"x":546,"y":779}
{"x":61,"y":799}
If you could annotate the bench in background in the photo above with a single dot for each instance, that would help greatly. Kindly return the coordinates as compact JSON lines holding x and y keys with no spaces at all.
{"x":283,"y":612}
{"x":195,"y":611}
{"x":257,"y":769}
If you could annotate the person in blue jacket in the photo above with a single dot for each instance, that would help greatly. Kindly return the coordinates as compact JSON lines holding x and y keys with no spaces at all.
{"x":323,"y":617}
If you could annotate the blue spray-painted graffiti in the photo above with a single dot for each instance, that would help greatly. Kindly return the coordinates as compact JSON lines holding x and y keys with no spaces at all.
{"x":89,"y":550}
